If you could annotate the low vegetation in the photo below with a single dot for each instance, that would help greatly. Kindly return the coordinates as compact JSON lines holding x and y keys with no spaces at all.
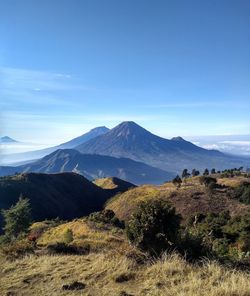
{"x":150,"y":240}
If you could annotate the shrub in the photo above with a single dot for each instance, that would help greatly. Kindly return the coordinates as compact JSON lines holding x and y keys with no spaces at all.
{"x":154,"y":226}
{"x":192,"y":246}
{"x":242,"y":193}
{"x":68,"y":236}
{"x":106,"y":217}
{"x":207,"y":181}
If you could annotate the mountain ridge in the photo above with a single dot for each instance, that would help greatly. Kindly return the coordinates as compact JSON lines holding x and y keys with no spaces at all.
{"x":92,"y":167}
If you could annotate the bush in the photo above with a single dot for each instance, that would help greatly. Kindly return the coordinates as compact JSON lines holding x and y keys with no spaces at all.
{"x":242,"y":193}
{"x":208,"y":181}
{"x":68,"y":236}
{"x":154,"y":226}
{"x":192,"y":246}
{"x":106,"y":217}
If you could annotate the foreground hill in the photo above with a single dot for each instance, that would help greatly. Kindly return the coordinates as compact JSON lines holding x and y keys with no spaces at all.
{"x":32,"y":155}
{"x":66,"y":195}
{"x":130,"y":140}
{"x":112,"y":268}
{"x":92,"y":167}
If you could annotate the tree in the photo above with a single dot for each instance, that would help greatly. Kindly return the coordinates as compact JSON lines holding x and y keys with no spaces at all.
{"x":213,"y":171}
{"x":177,"y":181}
{"x":195,"y":173}
{"x":17,"y":218}
{"x":185,"y":174}
{"x":206,"y":172}
{"x":154,"y":226}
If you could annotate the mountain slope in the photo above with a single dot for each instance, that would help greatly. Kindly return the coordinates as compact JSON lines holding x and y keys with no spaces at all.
{"x":132,"y":141}
{"x":24,"y":156}
{"x":93,"y":166}
{"x":65,"y":195}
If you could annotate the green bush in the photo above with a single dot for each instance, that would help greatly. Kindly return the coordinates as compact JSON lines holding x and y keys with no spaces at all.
{"x":154,"y":226}
{"x":227,"y":237}
{"x":106,"y":217}
{"x":242,"y":193}
{"x":192,"y":246}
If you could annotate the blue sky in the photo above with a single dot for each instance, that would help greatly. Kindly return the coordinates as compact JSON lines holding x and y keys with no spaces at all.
{"x":175,"y":67}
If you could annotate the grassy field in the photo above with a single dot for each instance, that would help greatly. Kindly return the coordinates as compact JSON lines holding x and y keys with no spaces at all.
{"x":111,"y":273}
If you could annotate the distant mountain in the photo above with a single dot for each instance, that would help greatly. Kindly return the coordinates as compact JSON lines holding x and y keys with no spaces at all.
{"x":130,"y":140}
{"x":7,"y":140}
{"x":32,"y":155}
{"x":65,"y":195}
{"x":83,"y":138}
{"x":92,"y":167}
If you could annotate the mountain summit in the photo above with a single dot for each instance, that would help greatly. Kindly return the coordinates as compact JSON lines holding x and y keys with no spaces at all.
{"x":130,"y":140}
{"x":7,"y":140}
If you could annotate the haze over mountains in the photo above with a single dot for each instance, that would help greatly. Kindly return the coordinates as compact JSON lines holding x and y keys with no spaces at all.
{"x":127,"y":151}
{"x":31,"y":155}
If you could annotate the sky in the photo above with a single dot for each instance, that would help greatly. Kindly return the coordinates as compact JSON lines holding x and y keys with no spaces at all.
{"x":178,"y":68}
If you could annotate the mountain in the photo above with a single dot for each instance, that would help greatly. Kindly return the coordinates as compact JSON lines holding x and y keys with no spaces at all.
{"x":130,"y":140}
{"x":33,"y":155}
{"x":92,"y":167}
{"x":7,"y":140}
{"x":66,"y":195}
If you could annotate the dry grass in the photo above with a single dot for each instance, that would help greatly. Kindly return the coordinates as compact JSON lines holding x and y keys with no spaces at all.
{"x":84,"y":233}
{"x":232,"y":182}
{"x":169,"y":276}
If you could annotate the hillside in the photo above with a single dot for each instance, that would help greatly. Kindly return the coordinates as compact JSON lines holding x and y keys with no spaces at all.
{"x":130,"y":140}
{"x":192,"y":198}
{"x":93,"y":166}
{"x":112,"y":267}
{"x":66,"y":195}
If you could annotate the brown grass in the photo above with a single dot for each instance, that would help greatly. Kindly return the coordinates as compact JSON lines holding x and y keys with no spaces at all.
{"x":169,"y":276}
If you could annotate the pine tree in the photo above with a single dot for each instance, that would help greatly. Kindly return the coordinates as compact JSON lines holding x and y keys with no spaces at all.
{"x":17,"y":218}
